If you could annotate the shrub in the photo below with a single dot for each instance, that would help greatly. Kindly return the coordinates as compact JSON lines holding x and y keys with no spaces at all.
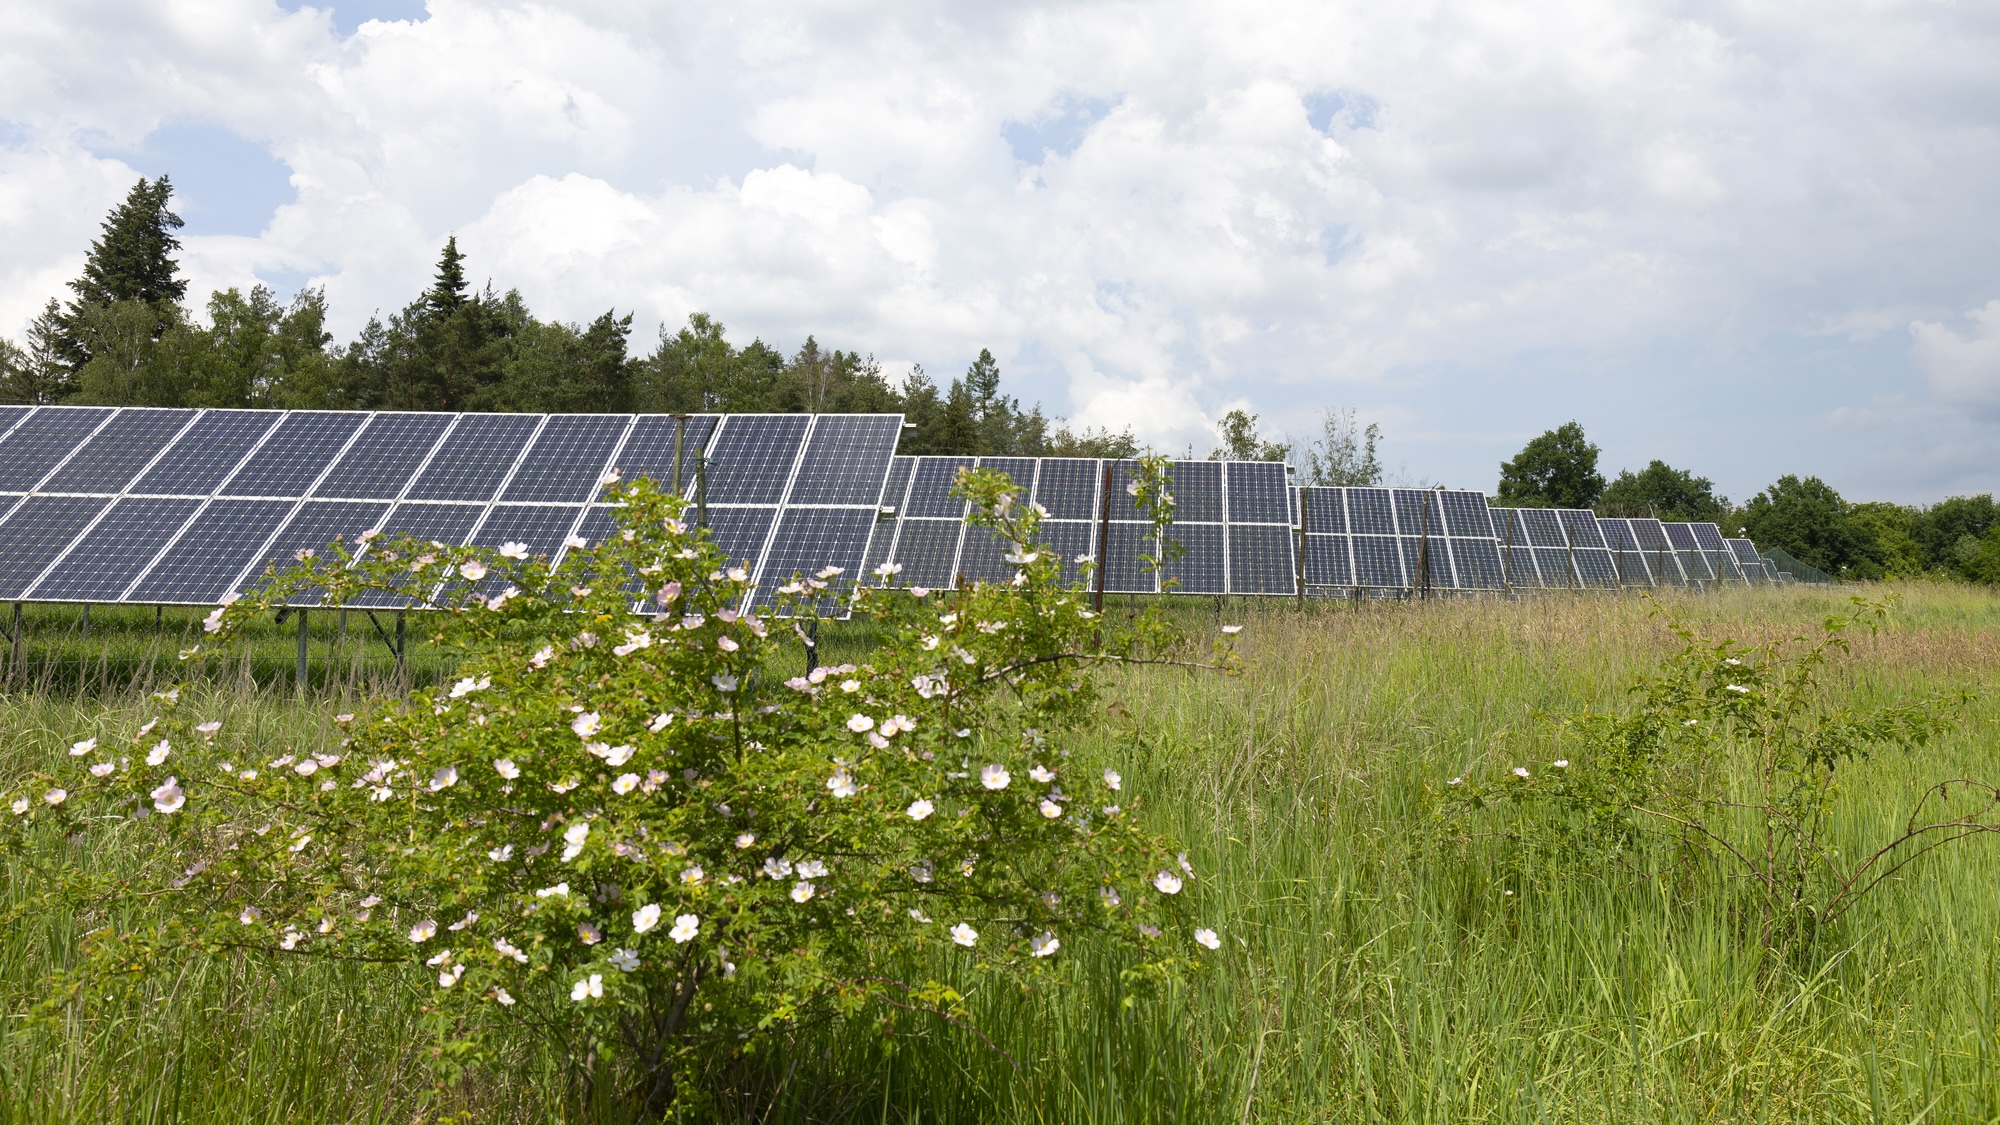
{"x":1732,"y":757}
{"x":625,"y":830}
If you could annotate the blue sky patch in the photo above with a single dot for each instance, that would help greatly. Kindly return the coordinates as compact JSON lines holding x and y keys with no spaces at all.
{"x":1060,"y":129}
{"x":223,"y":184}
{"x":351,"y":14}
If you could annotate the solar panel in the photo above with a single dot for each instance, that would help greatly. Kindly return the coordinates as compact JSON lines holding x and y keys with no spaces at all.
{"x":753,"y":457}
{"x":1258,"y":492}
{"x":383,"y":457}
{"x":206,"y":453}
{"x":928,"y":552}
{"x":1328,"y":562}
{"x":314,"y":527}
{"x":35,"y":532}
{"x":127,"y":444}
{"x":649,"y":450}
{"x":567,"y":459}
{"x":1197,"y":491}
{"x":203,"y":564}
{"x":1201,"y":567}
{"x":105,"y":560}
{"x":44,"y":440}
{"x":1378,"y":561}
{"x":475,"y":457}
{"x":845,"y":460}
{"x":1067,"y":487}
{"x":295,"y":455}
{"x":930,"y":488}
{"x":1477,"y":563}
{"x":808,"y":539}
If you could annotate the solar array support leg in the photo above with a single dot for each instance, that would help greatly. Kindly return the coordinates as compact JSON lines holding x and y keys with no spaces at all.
{"x":812,"y":647}
{"x":14,"y":664}
{"x":86,"y":619}
{"x":302,"y":652}
{"x":1103,"y":550}
{"x":400,"y":667}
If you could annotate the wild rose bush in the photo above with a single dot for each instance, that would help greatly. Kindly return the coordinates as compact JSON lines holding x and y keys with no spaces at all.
{"x":625,"y":830}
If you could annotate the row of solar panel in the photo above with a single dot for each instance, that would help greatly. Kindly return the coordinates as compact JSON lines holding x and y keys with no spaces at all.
{"x":1232,"y":524}
{"x":1406,"y":538}
{"x":154,"y":506}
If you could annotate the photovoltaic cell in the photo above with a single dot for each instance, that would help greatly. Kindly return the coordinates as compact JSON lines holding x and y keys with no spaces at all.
{"x":106,"y":560}
{"x":295,"y":454}
{"x":1258,"y":493}
{"x":752,"y":457}
{"x":109,"y":461}
{"x":41,"y":442}
{"x":1327,"y":560}
{"x":1261,"y":559}
{"x":475,"y":457}
{"x":313,"y":528}
{"x":845,"y":459}
{"x":206,"y":453}
{"x":1543,"y":528}
{"x":930,"y":488}
{"x":203,"y":564}
{"x":1067,"y":487}
{"x":36,"y":533}
{"x":928,"y":552}
{"x":1197,"y":492}
{"x":567,"y":459}
{"x":1199,"y":569}
{"x":1555,"y":567}
{"x":1378,"y":561}
{"x":1325,"y":512}
{"x":809,"y":539}
{"x":381,"y":460}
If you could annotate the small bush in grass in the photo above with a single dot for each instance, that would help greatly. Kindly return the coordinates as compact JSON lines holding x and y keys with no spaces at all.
{"x":1731,"y":757}
{"x":625,"y":831}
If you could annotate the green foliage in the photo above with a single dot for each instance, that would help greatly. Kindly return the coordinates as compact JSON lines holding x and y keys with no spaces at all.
{"x":1811,"y":521}
{"x":131,"y":260}
{"x":1238,"y":431}
{"x":1343,"y":456}
{"x":1556,"y":470}
{"x":1662,"y":491}
{"x":1730,"y":756}
{"x":624,"y":833}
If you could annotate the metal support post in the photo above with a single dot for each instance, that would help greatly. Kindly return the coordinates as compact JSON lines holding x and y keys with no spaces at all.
{"x":302,"y":651}
{"x":86,"y":619}
{"x":14,"y":664}
{"x":680,"y":436}
{"x":400,"y":665}
{"x":1103,"y":550}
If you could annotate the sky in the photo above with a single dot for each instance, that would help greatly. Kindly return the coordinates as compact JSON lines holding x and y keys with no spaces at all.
{"x":1748,"y":239}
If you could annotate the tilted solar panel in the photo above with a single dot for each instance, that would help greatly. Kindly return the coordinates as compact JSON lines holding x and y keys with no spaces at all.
{"x":42,"y":441}
{"x":35,"y":532}
{"x":383,"y":457}
{"x":104,"y":560}
{"x":119,"y":452}
{"x":205,"y":453}
{"x":476,"y":457}
{"x":567,"y":460}
{"x":295,"y":455}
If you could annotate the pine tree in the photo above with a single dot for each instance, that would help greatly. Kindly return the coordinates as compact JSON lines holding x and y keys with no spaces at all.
{"x":447,"y":292}
{"x":130,"y":260}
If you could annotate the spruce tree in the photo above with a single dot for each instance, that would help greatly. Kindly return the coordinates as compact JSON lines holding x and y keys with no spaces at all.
{"x":131,"y":260}
{"x":447,"y":292}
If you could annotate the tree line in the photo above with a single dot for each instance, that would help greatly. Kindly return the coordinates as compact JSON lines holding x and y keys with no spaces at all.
{"x":126,"y":336}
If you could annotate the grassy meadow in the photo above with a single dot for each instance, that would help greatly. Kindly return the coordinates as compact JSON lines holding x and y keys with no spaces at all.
{"x":1364,"y":976}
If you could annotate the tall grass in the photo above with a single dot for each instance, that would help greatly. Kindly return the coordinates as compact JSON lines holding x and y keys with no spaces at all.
{"x":1365,"y":976}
